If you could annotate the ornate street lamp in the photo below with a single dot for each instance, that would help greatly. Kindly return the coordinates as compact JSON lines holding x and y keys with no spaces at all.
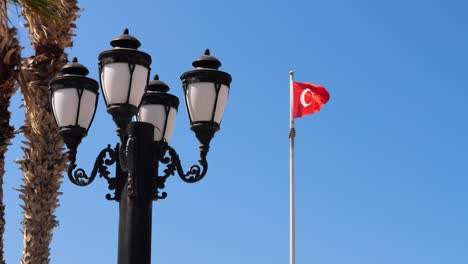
{"x":206,"y":90}
{"x":73,"y":97}
{"x":123,"y":73}
{"x":144,"y":144}
{"x":159,"y":108}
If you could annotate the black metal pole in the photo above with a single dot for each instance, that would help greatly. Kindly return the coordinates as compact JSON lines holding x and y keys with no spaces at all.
{"x":135,"y":208}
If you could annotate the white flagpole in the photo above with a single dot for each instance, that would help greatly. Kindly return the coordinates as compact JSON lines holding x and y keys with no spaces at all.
{"x":292,"y":134}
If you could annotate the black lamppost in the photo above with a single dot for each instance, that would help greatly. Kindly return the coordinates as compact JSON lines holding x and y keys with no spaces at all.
{"x":124,"y":74}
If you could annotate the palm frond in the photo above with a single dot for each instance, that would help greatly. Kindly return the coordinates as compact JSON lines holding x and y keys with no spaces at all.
{"x":48,"y":10}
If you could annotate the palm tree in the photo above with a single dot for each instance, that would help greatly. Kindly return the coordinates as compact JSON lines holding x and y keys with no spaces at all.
{"x":44,"y":161}
{"x":47,"y":18}
{"x":9,"y":62}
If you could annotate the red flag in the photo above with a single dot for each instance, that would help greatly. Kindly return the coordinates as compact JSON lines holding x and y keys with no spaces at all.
{"x":308,"y":98}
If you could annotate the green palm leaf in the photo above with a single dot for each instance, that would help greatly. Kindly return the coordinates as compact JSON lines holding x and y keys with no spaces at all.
{"x":48,"y":10}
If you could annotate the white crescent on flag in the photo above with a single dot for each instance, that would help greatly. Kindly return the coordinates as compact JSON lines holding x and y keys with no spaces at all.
{"x":303,"y":100}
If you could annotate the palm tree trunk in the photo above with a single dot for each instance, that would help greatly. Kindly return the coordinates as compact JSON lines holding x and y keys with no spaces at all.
{"x":44,"y":160}
{"x":7,"y":89}
{"x":6,"y":134}
{"x":9,"y":61}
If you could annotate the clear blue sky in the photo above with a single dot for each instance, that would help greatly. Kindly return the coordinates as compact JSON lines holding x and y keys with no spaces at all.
{"x":381,"y":171}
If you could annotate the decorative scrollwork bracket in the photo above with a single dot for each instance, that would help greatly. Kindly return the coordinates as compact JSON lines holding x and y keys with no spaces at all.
{"x":80,"y":178}
{"x":167,"y":155}
{"x":194,"y":174}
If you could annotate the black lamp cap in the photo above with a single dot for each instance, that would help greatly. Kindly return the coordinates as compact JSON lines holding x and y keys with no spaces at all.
{"x":207,"y":61}
{"x":156,"y":93}
{"x":125,"y":41}
{"x":74,"y":68}
{"x":157,"y":85}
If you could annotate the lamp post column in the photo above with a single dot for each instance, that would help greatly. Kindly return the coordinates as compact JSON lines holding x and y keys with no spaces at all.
{"x":135,"y":207}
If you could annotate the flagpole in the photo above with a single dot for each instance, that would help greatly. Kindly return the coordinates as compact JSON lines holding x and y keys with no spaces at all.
{"x":292,"y":134}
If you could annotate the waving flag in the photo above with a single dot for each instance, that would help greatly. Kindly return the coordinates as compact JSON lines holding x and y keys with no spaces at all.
{"x":308,"y":98}
{"x":305,"y":99}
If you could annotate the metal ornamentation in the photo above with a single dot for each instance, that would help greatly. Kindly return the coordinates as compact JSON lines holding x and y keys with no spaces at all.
{"x":159,"y":184}
{"x":173,"y":164}
{"x":194,"y":174}
{"x":172,"y":161}
{"x":131,"y":179}
{"x":80,"y":178}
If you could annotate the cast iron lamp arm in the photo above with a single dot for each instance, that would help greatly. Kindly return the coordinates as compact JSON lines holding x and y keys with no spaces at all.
{"x":79,"y":176}
{"x":194,"y":174}
{"x":172,"y":161}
